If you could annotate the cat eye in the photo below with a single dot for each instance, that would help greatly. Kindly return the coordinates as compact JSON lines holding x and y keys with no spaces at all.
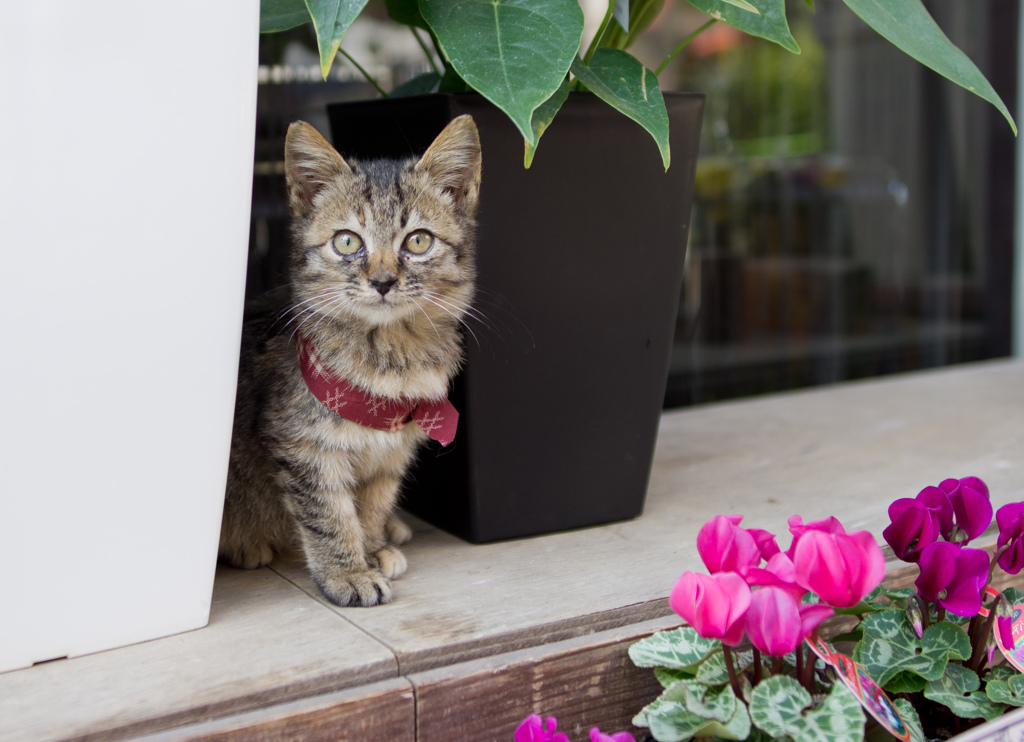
{"x":346,"y":243}
{"x":419,"y":242}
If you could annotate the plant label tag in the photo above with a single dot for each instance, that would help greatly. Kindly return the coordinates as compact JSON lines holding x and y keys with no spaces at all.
{"x":1014,"y":655}
{"x":868,"y":692}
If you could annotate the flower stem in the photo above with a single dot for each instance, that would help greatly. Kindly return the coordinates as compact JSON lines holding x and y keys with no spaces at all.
{"x":730,"y":666}
{"x":364,"y":72}
{"x":979,"y":640}
{"x":682,"y":46}
{"x":926,"y":615}
{"x":757,"y":666}
{"x":995,"y":560}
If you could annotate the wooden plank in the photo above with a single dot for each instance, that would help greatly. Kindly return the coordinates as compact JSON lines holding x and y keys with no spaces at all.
{"x":584,"y":682}
{"x":384,"y":711}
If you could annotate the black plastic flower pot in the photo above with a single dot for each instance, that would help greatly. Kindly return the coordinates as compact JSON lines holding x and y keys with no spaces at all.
{"x":580,"y":266}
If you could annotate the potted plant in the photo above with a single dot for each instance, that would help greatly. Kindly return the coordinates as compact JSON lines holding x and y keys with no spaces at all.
{"x":582,"y":241}
{"x":915,"y":663}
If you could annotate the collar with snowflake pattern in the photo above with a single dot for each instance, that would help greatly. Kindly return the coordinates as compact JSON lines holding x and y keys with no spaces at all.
{"x":438,"y":420}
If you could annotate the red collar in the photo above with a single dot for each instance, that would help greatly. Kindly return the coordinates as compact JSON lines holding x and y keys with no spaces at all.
{"x":438,"y":420}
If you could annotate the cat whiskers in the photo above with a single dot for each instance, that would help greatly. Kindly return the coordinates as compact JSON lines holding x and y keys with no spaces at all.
{"x":450,"y":307}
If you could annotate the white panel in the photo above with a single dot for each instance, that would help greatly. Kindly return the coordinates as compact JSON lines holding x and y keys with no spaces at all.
{"x":128,"y":135}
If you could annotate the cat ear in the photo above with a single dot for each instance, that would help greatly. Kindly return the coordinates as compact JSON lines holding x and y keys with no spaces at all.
{"x":310,"y":163}
{"x":453,"y":161}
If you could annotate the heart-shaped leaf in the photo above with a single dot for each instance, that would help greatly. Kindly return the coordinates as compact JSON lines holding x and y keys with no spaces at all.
{"x":905,"y":682}
{"x":543,"y":117}
{"x":957,"y":689}
{"x":280,"y":15}
{"x":689,"y":710}
{"x":331,"y":19}
{"x":768,"y":23}
{"x":780,"y":707}
{"x":906,"y":24}
{"x":890,"y":646}
{"x":620,"y":80}
{"x":1010,"y":691}
{"x":669,"y":677}
{"x":681,"y":649}
{"x":513,"y":52}
{"x":406,"y":12}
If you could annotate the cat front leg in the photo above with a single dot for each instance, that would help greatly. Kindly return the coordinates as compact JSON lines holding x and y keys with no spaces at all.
{"x":377,"y":497}
{"x":334,"y":545}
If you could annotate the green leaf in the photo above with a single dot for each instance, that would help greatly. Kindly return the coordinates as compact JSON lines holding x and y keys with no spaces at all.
{"x":890,"y":646}
{"x":513,"y":52}
{"x":1001,"y":672}
{"x":668,"y":677}
{"x":331,"y":19}
{"x":743,"y":5}
{"x":680,"y":649}
{"x":543,"y":117}
{"x":957,"y":689}
{"x":1009,"y":692}
{"x":910,"y":718}
{"x":406,"y":12}
{"x":769,"y":24}
{"x":905,"y":682}
{"x":280,"y":15}
{"x":781,"y":707}
{"x":688,"y":710}
{"x":713,"y":671}
{"x":623,"y":82}
{"x":906,"y":24}
{"x":452,"y":83}
{"x":1013,"y":595}
{"x":420,"y":85}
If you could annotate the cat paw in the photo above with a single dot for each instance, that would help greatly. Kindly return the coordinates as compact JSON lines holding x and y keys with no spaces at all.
{"x":397,"y":531}
{"x":392,"y":562}
{"x":363,"y":588}
{"x":250,"y":557}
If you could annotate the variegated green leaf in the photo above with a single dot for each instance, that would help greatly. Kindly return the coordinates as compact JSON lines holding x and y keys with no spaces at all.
{"x":1010,"y":691}
{"x":681,"y":649}
{"x":782,"y":708}
{"x":957,"y":689}
{"x":689,"y":710}
{"x":668,"y":677}
{"x":910,"y":718}
{"x":890,"y":647}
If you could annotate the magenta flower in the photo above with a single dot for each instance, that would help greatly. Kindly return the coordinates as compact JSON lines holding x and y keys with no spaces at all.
{"x":725,"y":547}
{"x":1004,"y":622}
{"x":712,"y":604}
{"x":840,"y":567}
{"x":596,"y":735}
{"x":971,"y":507}
{"x":1011,"y":534}
{"x":953,"y":577}
{"x":917,"y":522}
{"x":776,"y":622}
{"x":534,"y":730}
{"x":765,"y":542}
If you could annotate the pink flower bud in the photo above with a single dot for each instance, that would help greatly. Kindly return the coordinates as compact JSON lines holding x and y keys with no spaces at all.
{"x":725,"y":547}
{"x":713,"y":605}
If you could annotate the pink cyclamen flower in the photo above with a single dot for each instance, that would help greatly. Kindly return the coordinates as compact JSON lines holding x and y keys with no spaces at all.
{"x":971,"y":508}
{"x":776,"y":622}
{"x":953,"y":577}
{"x":725,"y":547}
{"x":765,"y":542}
{"x":712,"y":604}
{"x":1011,"y":534}
{"x":840,"y":567}
{"x":917,"y":522}
{"x":596,"y":735}
{"x":532,"y":729}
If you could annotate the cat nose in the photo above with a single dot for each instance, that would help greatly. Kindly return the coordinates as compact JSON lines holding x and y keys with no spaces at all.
{"x":383,"y":282}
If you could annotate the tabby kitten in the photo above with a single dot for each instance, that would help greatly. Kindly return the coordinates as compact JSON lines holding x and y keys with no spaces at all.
{"x":381,"y":273}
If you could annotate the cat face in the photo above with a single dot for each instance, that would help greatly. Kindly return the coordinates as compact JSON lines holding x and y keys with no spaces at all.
{"x":384,"y":240}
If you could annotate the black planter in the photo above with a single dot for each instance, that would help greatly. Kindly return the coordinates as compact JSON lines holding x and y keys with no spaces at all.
{"x":580,"y":267}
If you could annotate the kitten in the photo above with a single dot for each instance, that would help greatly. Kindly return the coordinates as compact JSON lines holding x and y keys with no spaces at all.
{"x":381,"y":273}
